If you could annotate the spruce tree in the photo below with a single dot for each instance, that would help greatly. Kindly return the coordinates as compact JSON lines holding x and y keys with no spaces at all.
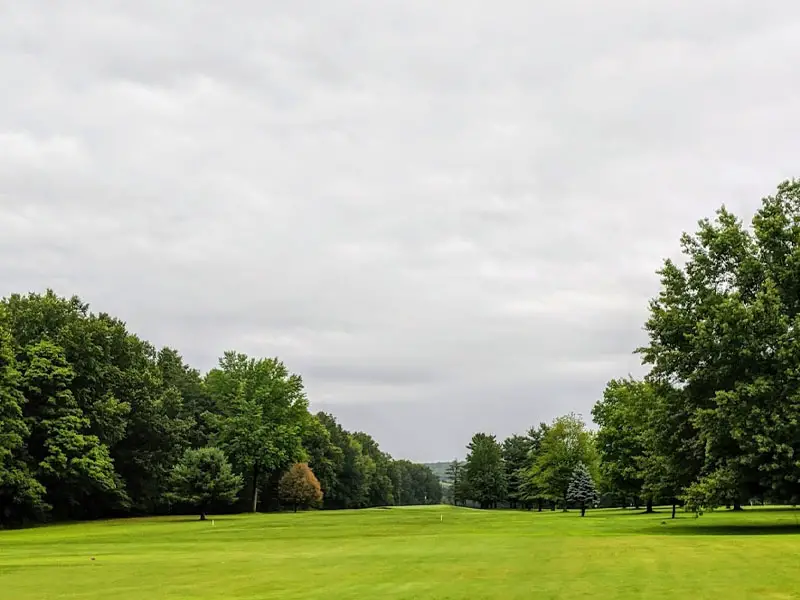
{"x":582,"y":490}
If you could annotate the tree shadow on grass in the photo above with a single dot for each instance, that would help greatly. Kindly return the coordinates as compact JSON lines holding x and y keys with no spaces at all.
{"x":723,"y":529}
{"x":189,"y":519}
{"x":633,"y":512}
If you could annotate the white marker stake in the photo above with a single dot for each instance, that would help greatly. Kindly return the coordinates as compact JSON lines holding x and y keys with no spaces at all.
{"x":441,"y":518}
{"x":212,"y":522}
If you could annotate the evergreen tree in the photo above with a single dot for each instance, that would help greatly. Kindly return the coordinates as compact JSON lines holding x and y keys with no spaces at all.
{"x":203,"y":479}
{"x":582,"y":490}
{"x":455,"y":473}
{"x":485,"y":472}
{"x":515,"y":460}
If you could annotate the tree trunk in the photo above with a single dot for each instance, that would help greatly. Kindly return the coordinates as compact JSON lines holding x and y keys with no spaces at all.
{"x":295,"y":507}
{"x":649,"y":507}
{"x":565,"y":505}
{"x":636,"y":502}
{"x":203,"y":515}
{"x":256,"y":473}
{"x":540,"y":506}
{"x":737,"y":505}
{"x":553,"y":505}
{"x":583,"y":509}
{"x":673,"y":509}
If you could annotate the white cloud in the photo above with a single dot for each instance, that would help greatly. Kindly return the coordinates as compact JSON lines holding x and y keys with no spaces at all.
{"x":446,"y":216}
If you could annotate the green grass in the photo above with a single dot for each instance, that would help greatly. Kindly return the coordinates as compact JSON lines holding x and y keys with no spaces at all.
{"x":430,"y":553}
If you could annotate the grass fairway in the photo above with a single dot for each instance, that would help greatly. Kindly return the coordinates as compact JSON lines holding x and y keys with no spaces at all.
{"x":405,"y":553}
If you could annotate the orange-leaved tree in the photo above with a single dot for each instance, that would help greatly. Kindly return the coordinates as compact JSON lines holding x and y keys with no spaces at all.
{"x":299,"y":487}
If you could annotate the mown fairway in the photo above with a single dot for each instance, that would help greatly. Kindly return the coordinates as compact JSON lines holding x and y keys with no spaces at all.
{"x":410,"y":553}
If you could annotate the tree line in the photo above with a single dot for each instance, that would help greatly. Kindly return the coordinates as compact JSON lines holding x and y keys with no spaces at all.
{"x":96,"y":422}
{"x":716,"y":419}
{"x":551,"y":465}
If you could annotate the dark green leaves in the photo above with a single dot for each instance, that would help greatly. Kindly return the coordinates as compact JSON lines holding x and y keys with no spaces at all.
{"x":204,"y":479}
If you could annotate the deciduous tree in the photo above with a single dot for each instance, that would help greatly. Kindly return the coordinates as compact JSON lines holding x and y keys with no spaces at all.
{"x":724,"y":331}
{"x":299,"y":487}
{"x":622,"y":419}
{"x":564,"y":445}
{"x":264,"y":409}
{"x":72,"y":464}
{"x":20,"y":492}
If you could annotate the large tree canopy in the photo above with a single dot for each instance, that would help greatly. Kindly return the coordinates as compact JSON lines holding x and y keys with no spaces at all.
{"x":563,"y":445}
{"x":724,"y":333}
{"x":264,"y":409}
{"x":96,"y":422}
{"x":622,"y":418}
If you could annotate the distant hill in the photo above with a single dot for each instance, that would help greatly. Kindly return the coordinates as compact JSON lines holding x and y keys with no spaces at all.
{"x":440,"y":470}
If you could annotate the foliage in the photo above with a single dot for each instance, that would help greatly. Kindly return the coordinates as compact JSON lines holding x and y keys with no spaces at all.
{"x":723,"y":331}
{"x":456,"y":483}
{"x":564,"y":444}
{"x":623,"y":440}
{"x":71,"y":463}
{"x":264,"y":410}
{"x":325,"y":458}
{"x":516,"y":451}
{"x":94,"y":420}
{"x":20,"y":492}
{"x":415,"y":484}
{"x":530,"y":491}
{"x":378,"y":467}
{"x":484,"y":472}
{"x":439,"y":469}
{"x":582,"y":490}
{"x":299,"y":487}
{"x":203,"y":479}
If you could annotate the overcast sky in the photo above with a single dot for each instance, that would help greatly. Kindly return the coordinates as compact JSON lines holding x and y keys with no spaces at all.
{"x":446,"y":215}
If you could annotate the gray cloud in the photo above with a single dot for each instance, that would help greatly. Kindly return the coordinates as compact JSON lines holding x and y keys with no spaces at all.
{"x":446,"y":216}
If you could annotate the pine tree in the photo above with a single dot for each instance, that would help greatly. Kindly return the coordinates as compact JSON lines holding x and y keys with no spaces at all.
{"x":582,"y":490}
{"x":454,"y":472}
{"x":484,"y":475}
{"x":204,"y":478}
